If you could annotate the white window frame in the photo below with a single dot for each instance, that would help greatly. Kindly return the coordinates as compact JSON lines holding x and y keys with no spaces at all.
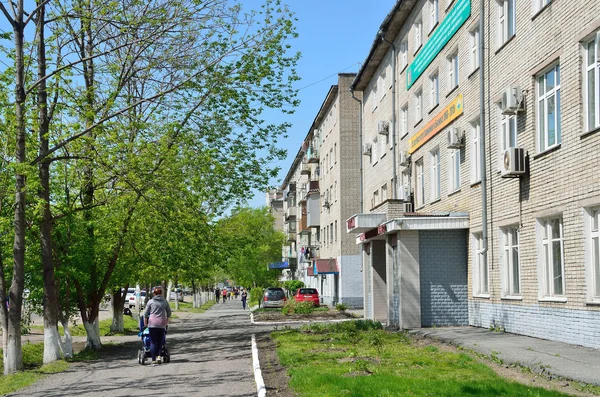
{"x":506,"y":17}
{"x":549,"y":271}
{"x":453,"y":170}
{"x":433,"y":14}
{"x":403,"y":55}
{"x":592,"y":252}
{"x":453,"y":71}
{"x":434,"y":92}
{"x":420,"y":193}
{"x":508,"y":134}
{"x":419,"y":105}
{"x":511,"y":271}
{"x":545,"y":97}
{"x":384,"y":192}
{"x":539,"y":4}
{"x":418,"y":34}
{"x":374,"y":150}
{"x":475,"y":152}
{"x":592,"y":71}
{"x":374,"y":96}
{"x":404,"y":121}
{"x":474,"y":49}
{"x":481,"y":283}
{"x":435,"y":174}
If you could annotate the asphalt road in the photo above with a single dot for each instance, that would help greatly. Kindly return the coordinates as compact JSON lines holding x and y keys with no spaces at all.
{"x":210,"y":356}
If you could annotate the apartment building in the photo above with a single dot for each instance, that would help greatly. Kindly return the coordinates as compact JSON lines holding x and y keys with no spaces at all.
{"x":321,"y":190}
{"x":533,"y":267}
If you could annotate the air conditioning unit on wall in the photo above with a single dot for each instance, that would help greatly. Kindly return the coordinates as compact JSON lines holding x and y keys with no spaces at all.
{"x":455,"y":139}
{"x":404,"y":192}
{"x":404,"y":158}
{"x":512,"y":98}
{"x":513,"y":162}
{"x":367,"y":149}
{"x":383,"y":127}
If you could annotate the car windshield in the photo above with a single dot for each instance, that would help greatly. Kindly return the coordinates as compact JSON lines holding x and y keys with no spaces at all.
{"x":275,"y":294}
{"x":308,"y":291}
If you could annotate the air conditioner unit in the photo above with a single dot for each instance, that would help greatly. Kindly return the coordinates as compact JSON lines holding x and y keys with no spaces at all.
{"x":513,"y":162}
{"x":511,"y":100}
{"x":404,"y":158}
{"x":383,"y":127}
{"x":367,"y":149}
{"x":454,"y":138}
{"x":408,"y":207}
{"x":404,"y":192}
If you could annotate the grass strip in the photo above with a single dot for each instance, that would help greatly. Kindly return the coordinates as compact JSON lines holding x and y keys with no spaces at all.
{"x":358,"y":358}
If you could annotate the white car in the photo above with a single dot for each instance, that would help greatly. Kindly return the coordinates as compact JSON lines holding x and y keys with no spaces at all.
{"x":177,"y":294}
{"x":131,"y":300}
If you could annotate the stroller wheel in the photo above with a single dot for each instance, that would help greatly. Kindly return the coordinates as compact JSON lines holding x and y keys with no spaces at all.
{"x":167,"y":356}
{"x":139,"y":356}
{"x":143,"y":354}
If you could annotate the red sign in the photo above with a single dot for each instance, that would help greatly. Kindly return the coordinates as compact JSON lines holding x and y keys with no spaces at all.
{"x":382,"y":229}
{"x":351,"y":223}
{"x":361,"y":237}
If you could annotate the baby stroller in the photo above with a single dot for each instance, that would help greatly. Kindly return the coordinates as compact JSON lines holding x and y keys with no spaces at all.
{"x":144,"y":352}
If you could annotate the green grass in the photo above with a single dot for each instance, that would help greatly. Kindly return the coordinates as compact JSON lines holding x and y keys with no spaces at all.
{"x":187,"y":307}
{"x":130,"y":325}
{"x":357,"y":359}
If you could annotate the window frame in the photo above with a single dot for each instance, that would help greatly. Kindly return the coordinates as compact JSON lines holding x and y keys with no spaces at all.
{"x":592,"y":252}
{"x":453,"y":170}
{"x":419,"y":105}
{"x":418,"y":33}
{"x":420,"y":191}
{"x":475,"y":152}
{"x":481,"y":276}
{"x":403,"y":55}
{"x":434,"y":92}
{"x":594,"y":68}
{"x":542,"y":107}
{"x":506,"y":21}
{"x":435,"y":169}
{"x":404,"y":121}
{"x":510,"y":240}
{"x":547,"y":265}
{"x":508,"y":134}
{"x":434,"y":14}
{"x":474,"y":49}
{"x":453,"y":71}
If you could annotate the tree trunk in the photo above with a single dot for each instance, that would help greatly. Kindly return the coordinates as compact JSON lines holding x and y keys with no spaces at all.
{"x":118,"y":302}
{"x":51,"y":340}
{"x":93,"y":335}
{"x":14,"y":355}
{"x":66,"y":345}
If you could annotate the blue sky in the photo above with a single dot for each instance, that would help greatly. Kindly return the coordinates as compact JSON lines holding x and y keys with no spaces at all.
{"x":334,"y":36}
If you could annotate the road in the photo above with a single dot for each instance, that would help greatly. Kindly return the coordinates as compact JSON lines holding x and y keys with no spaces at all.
{"x":210,"y":356}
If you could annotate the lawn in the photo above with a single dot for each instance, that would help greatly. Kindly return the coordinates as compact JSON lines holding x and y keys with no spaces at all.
{"x":356,"y":358}
{"x":187,"y":307}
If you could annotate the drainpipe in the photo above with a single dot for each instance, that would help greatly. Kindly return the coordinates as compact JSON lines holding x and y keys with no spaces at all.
{"x":393,"y":122}
{"x":484,"y":220}
{"x":360,"y":182}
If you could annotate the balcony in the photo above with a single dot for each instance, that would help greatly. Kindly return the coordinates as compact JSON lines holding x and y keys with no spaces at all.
{"x":291,"y":235}
{"x":313,"y":186}
{"x":288,"y":251}
{"x":313,"y":155}
{"x":313,"y":209}
{"x":291,"y":211}
{"x":362,"y":222}
{"x":305,"y":167}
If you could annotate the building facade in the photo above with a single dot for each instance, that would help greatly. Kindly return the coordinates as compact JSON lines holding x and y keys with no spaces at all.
{"x":481,"y":202}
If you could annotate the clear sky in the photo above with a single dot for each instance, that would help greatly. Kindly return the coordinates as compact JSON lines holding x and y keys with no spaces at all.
{"x":334,"y":36}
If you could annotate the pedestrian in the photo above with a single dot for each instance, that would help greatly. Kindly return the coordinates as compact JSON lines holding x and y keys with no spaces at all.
{"x":244,"y":297}
{"x":217,"y":294}
{"x":224,"y":294}
{"x":156,"y":318}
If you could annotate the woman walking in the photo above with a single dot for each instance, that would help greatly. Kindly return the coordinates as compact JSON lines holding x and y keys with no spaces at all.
{"x":244,"y":297}
{"x":156,"y":318}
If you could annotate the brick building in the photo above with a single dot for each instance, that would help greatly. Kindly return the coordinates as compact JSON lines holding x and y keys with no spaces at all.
{"x":534,"y":269}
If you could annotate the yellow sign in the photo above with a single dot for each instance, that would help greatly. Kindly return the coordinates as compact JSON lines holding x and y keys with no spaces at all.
{"x":436,"y":124}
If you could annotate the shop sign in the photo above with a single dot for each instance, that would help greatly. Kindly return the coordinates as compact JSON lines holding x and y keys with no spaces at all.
{"x":436,"y":124}
{"x":351,"y":223}
{"x":440,"y":37}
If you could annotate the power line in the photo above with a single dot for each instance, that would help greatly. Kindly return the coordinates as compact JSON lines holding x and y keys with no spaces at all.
{"x":330,"y":76}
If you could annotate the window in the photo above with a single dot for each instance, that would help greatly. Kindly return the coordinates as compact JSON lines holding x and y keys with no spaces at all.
{"x":384,"y":193}
{"x":418,"y":105}
{"x":334,"y":152}
{"x":453,"y":71}
{"x":434,"y":98}
{"x":404,"y":121}
{"x":418,"y":34}
{"x":506,"y":20}
{"x":436,"y":171}
{"x":480,"y":269}
{"x":374,"y":146}
{"x":403,"y":55}
{"x":509,"y":249}
{"x":548,"y":107}
{"x":552,"y":271}
{"x":433,"y":14}
{"x":420,"y":193}
{"x":474,"y":49}
{"x":508,"y":133}
{"x":375,"y":198}
{"x":539,"y":4}
{"x":381,"y":84}
{"x":453,"y":170}
{"x":331,"y":159}
{"x":593,"y":243}
{"x":335,"y":231}
{"x":374,"y":100}
{"x":592,"y":83}
{"x":335,"y":191}
{"x":475,"y":152}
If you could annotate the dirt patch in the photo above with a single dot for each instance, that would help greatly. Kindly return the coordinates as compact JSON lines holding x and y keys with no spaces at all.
{"x":277,"y":316}
{"x":274,"y":374}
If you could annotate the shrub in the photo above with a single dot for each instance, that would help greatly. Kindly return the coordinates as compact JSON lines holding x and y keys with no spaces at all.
{"x":256,"y":294}
{"x":292,"y":307}
{"x":293,"y":285}
{"x":341,"y":307}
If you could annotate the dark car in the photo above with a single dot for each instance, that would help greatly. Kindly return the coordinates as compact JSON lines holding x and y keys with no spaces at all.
{"x":274,"y":297}
{"x":307,"y":295}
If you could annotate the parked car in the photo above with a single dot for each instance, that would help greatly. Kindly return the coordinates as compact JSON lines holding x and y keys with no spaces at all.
{"x":177,"y":294}
{"x":131,"y":300}
{"x":274,"y":297}
{"x":307,"y":295}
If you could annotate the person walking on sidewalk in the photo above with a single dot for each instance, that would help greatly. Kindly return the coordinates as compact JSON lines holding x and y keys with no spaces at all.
{"x":244,"y":297}
{"x":217,"y":294}
{"x":224,"y":294}
{"x":156,"y":318}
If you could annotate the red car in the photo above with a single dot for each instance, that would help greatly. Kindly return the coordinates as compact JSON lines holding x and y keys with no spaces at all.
{"x":307,"y":295}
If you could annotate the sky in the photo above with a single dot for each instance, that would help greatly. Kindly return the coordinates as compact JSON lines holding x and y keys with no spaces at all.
{"x":335,"y":36}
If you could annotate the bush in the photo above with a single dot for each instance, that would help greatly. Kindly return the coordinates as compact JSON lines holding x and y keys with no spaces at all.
{"x":349,"y":327}
{"x":341,"y":307}
{"x":292,"y":307}
{"x":293,"y":285}
{"x":256,"y":294}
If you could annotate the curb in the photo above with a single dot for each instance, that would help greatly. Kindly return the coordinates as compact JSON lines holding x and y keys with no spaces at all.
{"x":261,"y":389}
{"x":296,"y":321}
